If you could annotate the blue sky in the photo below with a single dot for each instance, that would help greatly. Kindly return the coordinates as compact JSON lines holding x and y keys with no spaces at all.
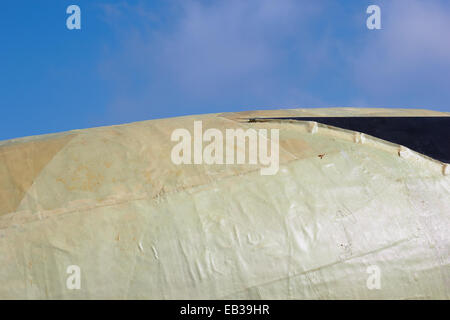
{"x":139,"y":60}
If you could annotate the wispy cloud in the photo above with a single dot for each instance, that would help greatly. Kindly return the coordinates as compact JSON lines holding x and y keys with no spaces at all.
{"x":210,"y":56}
{"x":408,"y":62}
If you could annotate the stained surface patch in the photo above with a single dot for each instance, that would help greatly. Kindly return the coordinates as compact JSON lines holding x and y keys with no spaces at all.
{"x":20,"y":164}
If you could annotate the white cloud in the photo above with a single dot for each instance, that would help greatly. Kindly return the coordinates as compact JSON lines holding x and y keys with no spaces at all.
{"x":410,"y":56}
{"x":209,"y":56}
{"x":209,"y":52}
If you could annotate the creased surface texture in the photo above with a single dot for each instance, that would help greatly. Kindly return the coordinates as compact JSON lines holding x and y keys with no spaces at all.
{"x":111,"y":201}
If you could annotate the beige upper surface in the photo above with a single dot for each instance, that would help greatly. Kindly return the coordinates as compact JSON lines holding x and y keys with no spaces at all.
{"x":111,"y":201}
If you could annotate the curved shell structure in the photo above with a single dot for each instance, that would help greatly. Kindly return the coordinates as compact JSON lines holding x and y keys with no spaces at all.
{"x":346,"y":216}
